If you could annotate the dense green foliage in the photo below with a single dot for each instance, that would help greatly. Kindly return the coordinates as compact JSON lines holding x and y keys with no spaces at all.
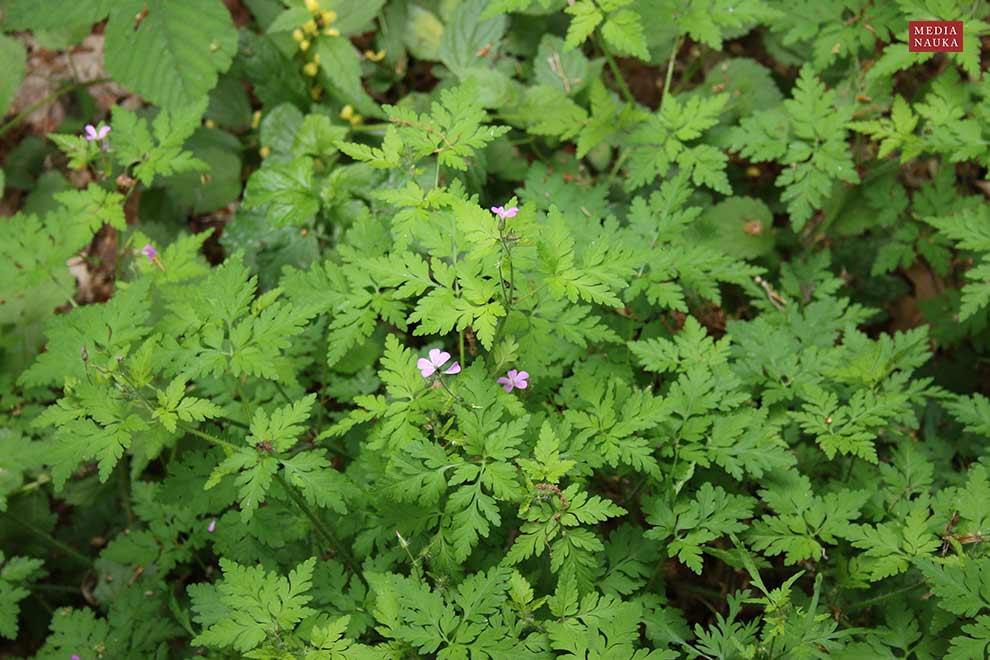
{"x":496,"y":329}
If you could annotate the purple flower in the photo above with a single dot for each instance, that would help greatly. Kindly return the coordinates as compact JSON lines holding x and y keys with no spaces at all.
{"x":437,"y":359}
{"x":149,"y":251}
{"x":212,"y":526}
{"x":514,"y":380}
{"x":74,"y":657}
{"x":94,"y":133}
{"x":505,"y":212}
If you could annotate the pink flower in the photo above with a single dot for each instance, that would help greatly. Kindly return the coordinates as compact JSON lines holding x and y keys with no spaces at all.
{"x":149,"y":251}
{"x":505,"y":212}
{"x":93,"y":133}
{"x":437,"y":359}
{"x":212,"y":526}
{"x":74,"y":657}
{"x":513,"y":379}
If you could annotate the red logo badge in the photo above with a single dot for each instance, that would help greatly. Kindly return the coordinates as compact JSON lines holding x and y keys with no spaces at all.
{"x":935,"y":36}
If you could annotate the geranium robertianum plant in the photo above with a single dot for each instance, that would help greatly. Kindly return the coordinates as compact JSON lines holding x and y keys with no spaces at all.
{"x":493,"y":329}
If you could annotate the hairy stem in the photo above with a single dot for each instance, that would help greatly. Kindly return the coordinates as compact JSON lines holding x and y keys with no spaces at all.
{"x":616,"y":73}
{"x":23,"y":114}
{"x":670,"y":70}
{"x":325,"y":533}
{"x":50,"y":540}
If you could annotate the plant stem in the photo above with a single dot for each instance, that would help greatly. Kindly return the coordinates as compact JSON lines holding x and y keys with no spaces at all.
{"x":209,"y":438}
{"x":616,"y":73}
{"x":51,"y":540}
{"x":281,"y":391}
{"x":368,"y":128}
{"x":321,"y":528}
{"x":670,"y":70}
{"x":124,"y":486}
{"x":45,"y":101}
{"x":879,"y":599}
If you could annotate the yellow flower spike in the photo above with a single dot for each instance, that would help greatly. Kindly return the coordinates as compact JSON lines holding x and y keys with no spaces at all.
{"x":309,"y":27}
{"x":265,"y":151}
{"x":332,"y":32}
{"x":256,"y":119}
{"x":313,"y":6}
{"x":375,"y":57}
{"x":346,"y":112}
{"x":328,"y":16}
{"x":210,"y":123}
{"x":304,"y":45}
{"x":297,"y":35}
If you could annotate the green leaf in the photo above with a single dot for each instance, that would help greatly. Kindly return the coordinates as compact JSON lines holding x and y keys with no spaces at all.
{"x":12,"y":60}
{"x":466,"y":34}
{"x":16,"y":574}
{"x":283,"y":427}
{"x":316,"y":479}
{"x":24,"y":15}
{"x":623,"y":30}
{"x":158,"y":152}
{"x":340,"y":67}
{"x":284,"y":192}
{"x":174,"y":54}
{"x":249,"y":604}
{"x":586,"y":18}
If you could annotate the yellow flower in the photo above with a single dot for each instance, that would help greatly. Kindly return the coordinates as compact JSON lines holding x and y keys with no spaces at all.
{"x":265,"y":151}
{"x":347,"y":114}
{"x":309,"y":27}
{"x":304,"y":45}
{"x":328,"y":16}
{"x":313,"y":6}
{"x":375,"y":57}
{"x":256,"y":119}
{"x":332,"y":32}
{"x":316,"y":58}
{"x":210,"y":123}
{"x":297,"y":35}
{"x":311,"y":69}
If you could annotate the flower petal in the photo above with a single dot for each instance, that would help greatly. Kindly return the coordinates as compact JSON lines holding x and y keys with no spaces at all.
{"x":511,"y":213}
{"x":521,"y":384}
{"x":454,"y":369}
{"x":90,"y":132}
{"x":425,"y":367}
{"x":507,"y":387}
{"x":503,"y":381}
{"x":512,"y":374}
{"x":522,"y":375}
{"x":102,"y":133}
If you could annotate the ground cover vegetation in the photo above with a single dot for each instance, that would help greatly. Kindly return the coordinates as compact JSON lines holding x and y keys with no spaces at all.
{"x":493,"y":329}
